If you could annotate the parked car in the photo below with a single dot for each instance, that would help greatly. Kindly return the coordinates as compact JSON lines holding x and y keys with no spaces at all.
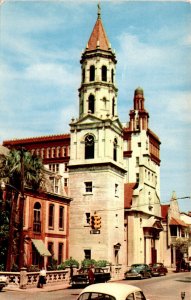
{"x":138,"y":271}
{"x":112,"y":291}
{"x":3,"y":281}
{"x":158,"y":269}
{"x":82,"y":279}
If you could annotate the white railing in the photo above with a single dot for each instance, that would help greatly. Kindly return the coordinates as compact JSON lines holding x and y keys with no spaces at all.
{"x":31,"y":278}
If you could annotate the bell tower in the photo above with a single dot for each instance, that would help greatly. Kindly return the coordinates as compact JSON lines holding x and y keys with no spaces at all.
{"x":96,"y":169}
{"x":98,"y":92}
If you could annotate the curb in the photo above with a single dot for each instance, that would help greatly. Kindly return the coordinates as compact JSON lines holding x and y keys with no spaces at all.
{"x":46,"y":288}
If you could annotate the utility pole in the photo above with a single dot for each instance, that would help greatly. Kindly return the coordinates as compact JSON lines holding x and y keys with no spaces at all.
{"x":21,"y":211}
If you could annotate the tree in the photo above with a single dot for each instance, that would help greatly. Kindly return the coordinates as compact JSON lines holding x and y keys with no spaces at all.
{"x":19,"y":169}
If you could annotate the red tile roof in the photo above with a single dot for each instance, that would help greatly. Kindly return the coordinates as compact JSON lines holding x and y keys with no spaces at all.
{"x":98,"y":35}
{"x":177,"y":222}
{"x":128,"y":193}
{"x":36,"y":139}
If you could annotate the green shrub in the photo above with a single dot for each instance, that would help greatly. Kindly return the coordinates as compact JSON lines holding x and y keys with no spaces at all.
{"x":68,"y":263}
{"x":32,"y":268}
{"x":102,"y":263}
{"x":86,"y":263}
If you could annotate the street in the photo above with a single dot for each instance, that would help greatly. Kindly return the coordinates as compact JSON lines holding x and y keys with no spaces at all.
{"x":157,"y":288}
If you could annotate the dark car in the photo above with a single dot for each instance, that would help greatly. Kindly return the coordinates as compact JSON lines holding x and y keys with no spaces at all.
{"x":82,"y":278}
{"x":138,"y":271}
{"x":158,"y":269}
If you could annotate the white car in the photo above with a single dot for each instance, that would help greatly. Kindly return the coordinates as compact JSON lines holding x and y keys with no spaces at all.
{"x":111,"y":291}
{"x":3,"y":281}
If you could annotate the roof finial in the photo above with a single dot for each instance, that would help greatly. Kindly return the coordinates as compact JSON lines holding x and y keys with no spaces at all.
{"x":99,"y":10}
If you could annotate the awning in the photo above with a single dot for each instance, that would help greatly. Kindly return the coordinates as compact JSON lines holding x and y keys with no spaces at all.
{"x":41,"y":248}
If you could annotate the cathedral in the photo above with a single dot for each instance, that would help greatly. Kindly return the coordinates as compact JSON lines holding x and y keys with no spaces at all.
{"x":109,"y":171}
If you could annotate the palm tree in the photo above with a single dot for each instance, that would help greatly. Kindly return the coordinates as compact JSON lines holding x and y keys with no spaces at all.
{"x":19,"y":169}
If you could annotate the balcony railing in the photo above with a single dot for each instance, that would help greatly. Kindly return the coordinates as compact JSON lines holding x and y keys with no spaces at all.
{"x":37,"y":227}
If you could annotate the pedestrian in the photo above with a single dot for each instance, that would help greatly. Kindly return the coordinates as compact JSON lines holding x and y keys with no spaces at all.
{"x":42,"y":278}
{"x":91,"y":275}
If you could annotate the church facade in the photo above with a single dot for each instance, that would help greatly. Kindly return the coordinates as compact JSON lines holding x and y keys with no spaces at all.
{"x":110,"y":171}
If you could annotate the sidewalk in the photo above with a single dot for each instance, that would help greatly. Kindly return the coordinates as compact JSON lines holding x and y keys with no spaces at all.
{"x":46,"y":288}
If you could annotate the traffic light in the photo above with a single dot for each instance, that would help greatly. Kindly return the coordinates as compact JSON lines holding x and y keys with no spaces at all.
{"x":97,"y":222}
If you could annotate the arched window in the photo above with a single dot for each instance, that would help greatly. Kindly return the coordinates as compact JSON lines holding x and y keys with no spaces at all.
{"x":115,"y":149}
{"x":92,"y":73}
{"x":83,"y":75}
{"x":91,"y":103}
{"x":104,"y":73}
{"x":89,"y":146}
{"x":37,"y":217}
{"x":112,"y":76}
{"x":113,"y":107}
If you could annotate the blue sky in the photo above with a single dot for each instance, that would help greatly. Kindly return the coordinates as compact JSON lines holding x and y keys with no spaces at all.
{"x":40,"y":48}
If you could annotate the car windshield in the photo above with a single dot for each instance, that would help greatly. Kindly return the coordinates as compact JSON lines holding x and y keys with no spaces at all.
{"x":137,"y":267}
{"x":156,"y":265}
{"x":95,"y":296}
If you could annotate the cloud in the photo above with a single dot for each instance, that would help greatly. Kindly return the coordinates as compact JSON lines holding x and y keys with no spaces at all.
{"x":55,"y":74}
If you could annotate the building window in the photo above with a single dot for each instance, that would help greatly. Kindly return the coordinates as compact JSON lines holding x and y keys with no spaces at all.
{"x":65,"y":182}
{"x":54,"y":167}
{"x":42,"y":152}
{"x":51,"y":250}
{"x":173,"y":231}
{"x":92,"y":73}
{"x":104,"y":73}
{"x":116,"y":257}
{"x":116,"y":190}
{"x":83,"y":75}
{"x":116,"y":221}
{"x":113,"y":107}
{"x":139,"y":144}
{"x":88,"y":218}
{"x":91,"y":104}
{"x":89,"y":146}
{"x":53,"y":152}
{"x":87,"y":253}
{"x":66,"y":167}
{"x":137,"y":161}
{"x":56,"y":186}
{"x":48,"y":152}
{"x":58,"y":152}
{"x":37,"y":152}
{"x":112,"y":76}
{"x":37,"y":217}
{"x":137,"y":177}
{"x":65,"y":151}
{"x":60,"y":253}
{"x":115,"y":150}
{"x":88,"y":187}
{"x":61,"y":217}
{"x":51,"y":216}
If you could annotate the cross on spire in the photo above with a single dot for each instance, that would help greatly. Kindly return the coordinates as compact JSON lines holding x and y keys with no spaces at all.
{"x":99,"y":10}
